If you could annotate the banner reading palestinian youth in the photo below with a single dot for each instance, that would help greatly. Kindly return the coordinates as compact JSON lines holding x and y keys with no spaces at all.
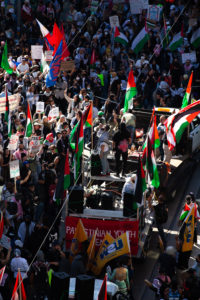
{"x":114,"y":228}
{"x":13,"y":103}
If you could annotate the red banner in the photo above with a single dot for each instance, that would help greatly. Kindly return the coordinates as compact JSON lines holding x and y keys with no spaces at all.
{"x":115,"y":228}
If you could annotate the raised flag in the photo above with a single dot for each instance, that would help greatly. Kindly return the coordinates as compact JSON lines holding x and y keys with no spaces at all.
{"x":186,"y":234}
{"x":139,"y":41}
{"x":176,"y":123}
{"x":18,"y":291}
{"x":177,"y":41}
{"x":58,"y":37}
{"x":1,"y":225}
{"x":4,"y":60}
{"x":91,"y":250}
{"x":103,"y":290}
{"x":66,"y":172}
{"x":48,"y":38}
{"x":2,"y":270}
{"x":87,"y":116}
{"x":119,"y":37}
{"x":140,"y":183}
{"x":188,"y":92}
{"x":131,"y":91}
{"x":93,"y":60}
{"x":151,"y":166}
{"x":29,"y":126}
{"x":119,"y":247}
{"x":54,"y":67}
{"x":76,"y":143}
{"x":79,"y":237}
{"x":65,"y":51}
{"x":195,"y":39}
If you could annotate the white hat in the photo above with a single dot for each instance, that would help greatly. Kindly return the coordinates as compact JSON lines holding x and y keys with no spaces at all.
{"x":172,"y":7}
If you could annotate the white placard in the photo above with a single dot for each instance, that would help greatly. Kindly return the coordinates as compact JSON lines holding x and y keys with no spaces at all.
{"x":14,"y":168}
{"x":34,"y":144}
{"x":36,"y":51}
{"x":13,"y":103}
{"x":39,"y":107}
{"x":54,"y":113}
{"x":137,"y":6}
{"x":189,"y":56}
{"x":13,"y":142}
{"x":49,"y":55}
{"x":153,"y":12}
{"x":114,"y":21}
{"x":5,"y":242}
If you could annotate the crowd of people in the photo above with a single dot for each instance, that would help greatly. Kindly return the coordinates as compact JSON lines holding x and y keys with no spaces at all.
{"x":28,"y":203}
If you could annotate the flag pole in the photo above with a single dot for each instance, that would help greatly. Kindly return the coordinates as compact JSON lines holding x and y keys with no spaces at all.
{"x":92,"y":142}
{"x":19,"y":285}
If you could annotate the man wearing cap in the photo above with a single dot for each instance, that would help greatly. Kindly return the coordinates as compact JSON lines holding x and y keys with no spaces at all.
{"x":19,"y":263}
{"x":23,"y":66}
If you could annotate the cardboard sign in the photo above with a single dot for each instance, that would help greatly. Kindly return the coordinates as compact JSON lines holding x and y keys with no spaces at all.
{"x":36,"y":51}
{"x":189,"y":56}
{"x":14,"y":168}
{"x":34,"y":144}
{"x":13,"y":142}
{"x":137,"y":6}
{"x":39,"y":107}
{"x":67,"y":65}
{"x":114,"y":228}
{"x":153,"y":12}
{"x":54,"y":113}
{"x":114,"y":21}
{"x":48,"y":55}
{"x":13,"y":103}
{"x":5,"y":242}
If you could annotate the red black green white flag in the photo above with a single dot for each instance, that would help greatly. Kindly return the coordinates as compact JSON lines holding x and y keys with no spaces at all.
{"x":87,"y":116}
{"x":151,"y":166}
{"x":131,"y":91}
{"x":188,"y":92}
{"x":141,"y":182}
{"x":119,"y":37}
{"x":28,"y":122}
{"x":176,"y":123}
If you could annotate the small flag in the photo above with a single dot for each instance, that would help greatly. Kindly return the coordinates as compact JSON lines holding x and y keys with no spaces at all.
{"x":119,"y":37}
{"x":188,"y":92}
{"x":54,"y":67}
{"x":29,"y":126}
{"x":4,"y":61}
{"x":131,"y":91}
{"x":87,"y":116}
{"x":151,"y":166}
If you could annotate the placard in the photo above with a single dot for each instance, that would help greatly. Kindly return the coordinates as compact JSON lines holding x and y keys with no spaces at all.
{"x":39,"y":107}
{"x":189,"y":56}
{"x":137,"y":6}
{"x":13,"y":142}
{"x":48,"y":55}
{"x":34,"y":144}
{"x":14,"y":168}
{"x":68,"y":65}
{"x":114,"y":21}
{"x":13,"y":103}
{"x":54,"y":113}
{"x":5,"y":242}
{"x":153,"y":12}
{"x":36,"y":51}
{"x":113,"y":227}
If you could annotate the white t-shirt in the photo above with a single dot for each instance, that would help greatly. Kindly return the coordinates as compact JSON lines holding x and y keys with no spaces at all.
{"x":22,"y":68}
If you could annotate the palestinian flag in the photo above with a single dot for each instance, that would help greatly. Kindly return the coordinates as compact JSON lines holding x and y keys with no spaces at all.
{"x":176,"y":123}
{"x":153,"y":135}
{"x":151,"y":167}
{"x":119,"y":37}
{"x":18,"y":288}
{"x":1,"y":225}
{"x":4,"y":60}
{"x":87,"y":116}
{"x":103,"y":290}
{"x":66,"y":172}
{"x":93,"y":60}
{"x":139,"y":41}
{"x":131,"y":91}
{"x":188,"y":92}
{"x":195,"y":39}
{"x":76,"y":143}
{"x":141,"y":182}
{"x":177,"y":41}
{"x":28,"y":122}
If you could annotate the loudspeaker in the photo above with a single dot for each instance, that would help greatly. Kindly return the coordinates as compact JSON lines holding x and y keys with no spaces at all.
{"x":128,"y":210}
{"x":107,"y":201}
{"x":95,"y":164}
{"x":84,"y":287}
{"x":76,"y":199}
{"x":60,"y":286}
{"x":93,"y":201}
